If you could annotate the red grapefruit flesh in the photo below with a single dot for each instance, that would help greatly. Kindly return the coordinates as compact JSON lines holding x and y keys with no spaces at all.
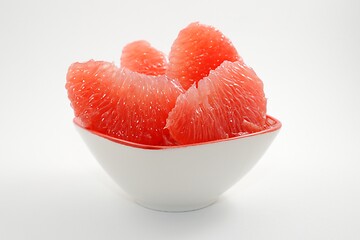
{"x":141,"y":57}
{"x":121,"y":103}
{"x":227,"y":103}
{"x":197,"y":50}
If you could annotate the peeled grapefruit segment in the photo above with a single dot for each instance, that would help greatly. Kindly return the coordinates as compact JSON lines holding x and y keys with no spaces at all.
{"x":198,"y":49}
{"x":121,"y":103}
{"x":141,"y":57}
{"x":227,"y":103}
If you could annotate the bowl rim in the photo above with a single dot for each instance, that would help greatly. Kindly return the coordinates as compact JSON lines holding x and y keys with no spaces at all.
{"x":274,"y":126}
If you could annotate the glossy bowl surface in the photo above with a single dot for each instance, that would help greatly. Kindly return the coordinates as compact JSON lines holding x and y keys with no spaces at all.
{"x":178,"y":178}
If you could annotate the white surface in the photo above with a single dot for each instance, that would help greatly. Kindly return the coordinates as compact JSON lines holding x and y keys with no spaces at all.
{"x":305,"y":187}
{"x":181,"y":178}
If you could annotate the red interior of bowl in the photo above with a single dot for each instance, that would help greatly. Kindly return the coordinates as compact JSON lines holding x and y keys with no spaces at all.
{"x":272,"y":123}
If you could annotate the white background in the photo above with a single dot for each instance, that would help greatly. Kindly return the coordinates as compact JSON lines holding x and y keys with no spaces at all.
{"x":307,"y":186}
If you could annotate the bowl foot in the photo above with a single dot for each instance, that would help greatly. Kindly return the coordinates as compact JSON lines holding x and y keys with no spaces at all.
{"x":176,"y":208}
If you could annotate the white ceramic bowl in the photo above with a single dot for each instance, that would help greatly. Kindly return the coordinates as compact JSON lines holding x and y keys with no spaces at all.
{"x":178,"y":178}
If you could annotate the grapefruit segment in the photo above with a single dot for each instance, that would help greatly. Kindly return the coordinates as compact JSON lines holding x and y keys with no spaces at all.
{"x":197,"y":50}
{"x":227,"y":103}
{"x":122,"y":103}
{"x":141,"y":57}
